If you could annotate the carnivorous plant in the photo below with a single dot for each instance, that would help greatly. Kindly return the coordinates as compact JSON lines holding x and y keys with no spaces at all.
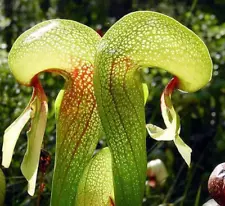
{"x":67,"y":48}
{"x":139,"y":40}
{"x":103,"y":90}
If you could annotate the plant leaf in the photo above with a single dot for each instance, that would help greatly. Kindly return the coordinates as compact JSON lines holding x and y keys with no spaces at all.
{"x":172,"y":122}
{"x":32,"y":182}
{"x":35,"y":137}
{"x":146,"y":92}
{"x":58,"y":102}
{"x":67,"y":48}
{"x":56,"y":44}
{"x":96,"y":185}
{"x":152,"y":39}
{"x":11,"y":136}
{"x":12,"y":133}
{"x":160,"y":134}
{"x":183,"y":149}
{"x":140,"y":40}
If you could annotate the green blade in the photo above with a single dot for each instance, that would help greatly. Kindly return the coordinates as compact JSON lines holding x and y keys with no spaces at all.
{"x":183,"y":149}
{"x":146,"y":92}
{"x":2,"y":187}
{"x":96,"y":185}
{"x":35,"y":136}
{"x":78,"y":130}
{"x":12,"y":133}
{"x":11,"y":136}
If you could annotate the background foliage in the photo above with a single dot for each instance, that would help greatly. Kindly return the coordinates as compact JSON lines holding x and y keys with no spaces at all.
{"x":202,"y":113}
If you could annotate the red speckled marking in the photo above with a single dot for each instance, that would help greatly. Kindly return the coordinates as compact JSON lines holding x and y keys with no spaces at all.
{"x":76,"y":113}
{"x":81,"y":90}
{"x":171,"y":86}
{"x":38,"y":89}
{"x":114,"y":65}
{"x":111,"y":202}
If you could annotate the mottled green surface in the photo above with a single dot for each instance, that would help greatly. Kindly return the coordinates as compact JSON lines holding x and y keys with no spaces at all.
{"x":54,"y":44}
{"x":67,"y":48}
{"x":140,"y":39}
{"x":201,"y":112}
{"x":2,"y":187}
{"x":96,"y":185}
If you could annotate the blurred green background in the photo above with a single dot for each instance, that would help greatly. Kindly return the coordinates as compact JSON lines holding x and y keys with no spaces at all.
{"x":202,"y":113}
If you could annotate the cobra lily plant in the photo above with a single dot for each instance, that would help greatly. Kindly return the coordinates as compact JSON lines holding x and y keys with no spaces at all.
{"x":103,"y":91}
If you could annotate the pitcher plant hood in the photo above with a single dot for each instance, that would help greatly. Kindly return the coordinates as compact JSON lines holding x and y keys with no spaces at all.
{"x":67,"y":48}
{"x":139,"y":40}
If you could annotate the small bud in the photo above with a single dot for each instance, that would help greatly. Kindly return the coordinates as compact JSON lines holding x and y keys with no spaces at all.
{"x":157,"y":171}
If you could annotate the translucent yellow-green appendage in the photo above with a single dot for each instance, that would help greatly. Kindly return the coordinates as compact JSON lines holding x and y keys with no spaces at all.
{"x":139,"y":40}
{"x":67,"y":48}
